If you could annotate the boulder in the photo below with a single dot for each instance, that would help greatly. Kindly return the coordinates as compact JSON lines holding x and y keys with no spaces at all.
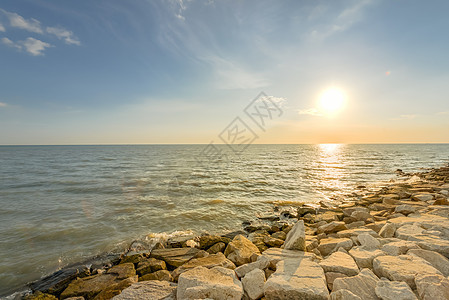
{"x":218,"y":283}
{"x":150,"y":265}
{"x":368,"y":242}
{"x":296,"y":239}
{"x":274,"y":255}
{"x":422,"y":197}
{"x":364,"y":258}
{"x":218,"y":247}
{"x":387,"y":230}
{"x":432,"y":286}
{"x":437,"y":260}
{"x":39,"y":296}
{"x":330,"y":245}
{"x":240,"y":249}
{"x":280,"y":235}
{"x":402,"y":268}
{"x":115,"y":289}
{"x":331,"y":227}
{"x":89,"y":287}
{"x":355,"y":232}
{"x":253,"y":283}
{"x":214,"y":260}
{"x":155,"y":290}
{"x":343,"y":295}
{"x":123,"y":271}
{"x":261,"y":263}
{"x":330,"y":278}
{"x":398,"y":248}
{"x":272,"y":242}
{"x":175,"y":256}
{"x":394,"y":290}
{"x":207,"y":241}
{"x":341,"y":263}
{"x":297,"y":279}
{"x":361,"y":216}
{"x":405,"y":209}
{"x":363,"y":285}
{"x":162,"y":275}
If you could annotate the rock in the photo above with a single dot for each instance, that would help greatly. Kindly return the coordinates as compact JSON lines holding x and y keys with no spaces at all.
{"x":361,"y":216}
{"x":348,"y":211}
{"x":432,"y":286}
{"x":394,"y":290}
{"x":301,"y":211}
{"x":363,"y":285}
{"x":296,"y":239}
{"x":154,"y":290}
{"x":134,"y":258}
{"x":343,"y":295}
{"x":329,"y":216}
{"x":330,"y":245}
{"x":341,"y":263}
{"x":150,"y":265}
{"x":280,"y":235}
{"x":214,"y":260}
{"x":437,"y":260}
{"x":217,"y":283}
{"x":297,"y":279}
{"x":89,"y":287}
{"x":218,"y":247}
{"x":162,"y":275}
{"x":261,"y":263}
{"x":330,"y":278}
{"x":387,"y":230}
{"x":364,"y":258}
{"x":123,"y":271}
{"x":422,"y":197}
{"x":40,"y":296}
{"x":272,"y":242}
{"x":355,"y":232}
{"x":253,"y":283}
{"x":115,"y":289}
{"x":398,"y":248}
{"x":240,"y":249}
{"x":274,"y":255}
{"x":332,"y":227}
{"x":207,"y":241}
{"x":405,"y":209}
{"x":402,"y":268}
{"x":368,"y":242}
{"x":175,"y":256}
{"x":355,"y":224}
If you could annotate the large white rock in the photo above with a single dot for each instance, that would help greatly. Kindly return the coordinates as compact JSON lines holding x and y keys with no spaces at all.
{"x":343,"y":295}
{"x":402,"y":268}
{"x":240,"y":250}
{"x":152,"y":289}
{"x":327,"y":246}
{"x":341,"y":263}
{"x":364,"y":258}
{"x":432,"y":286}
{"x":253,"y":283}
{"x":296,"y":237}
{"x":297,"y":279}
{"x":398,"y":248}
{"x":217,"y":283}
{"x":261,"y":263}
{"x":394,"y":290}
{"x":362,"y":285}
{"x":437,"y":260}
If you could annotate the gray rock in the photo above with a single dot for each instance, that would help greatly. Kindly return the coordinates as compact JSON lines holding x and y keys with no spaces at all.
{"x":261,"y":263}
{"x":253,"y":283}
{"x":398,"y":248}
{"x":405,"y":209}
{"x":387,"y":230}
{"x":394,"y":290}
{"x":368,"y":242}
{"x":296,"y":239}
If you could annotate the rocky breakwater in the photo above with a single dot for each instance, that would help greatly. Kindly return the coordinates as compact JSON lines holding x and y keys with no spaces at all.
{"x":390,"y":244}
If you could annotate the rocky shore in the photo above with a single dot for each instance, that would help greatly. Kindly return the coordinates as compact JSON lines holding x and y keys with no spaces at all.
{"x":389,"y":244}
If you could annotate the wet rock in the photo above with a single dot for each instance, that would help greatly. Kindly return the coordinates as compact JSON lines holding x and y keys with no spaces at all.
{"x":363,"y":285}
{"x":179,"y":241}
{"x":175,"y":256}
{"x":218,"y":247}
{"x":253,"y":283}
{"x":207,"y":241}
{"x":115,"y":289}
{"x":364,"y":258}
{"x":214,"y":260}
{"x":394,"y":290}
{"x":398,"y":248}
{"x":332,"y":227}
{"x":162,"y":275}
{"x":261,"y":263}
{"x":387,"y":230}
{"x":40,"y":296}
{"x":123,"y":271}
{"x":150,"y":265}
{"x":343,"y":295}
{"x":330,"y":245}
{"x":402,"y":268}
{"x":217,"y":283}
{"x":154,"y":290}
{"x":89,"y":287}
{"x":432,"y":286}
{"x":297,"y":279}
{"x":295,"y":239}
{"x":341,"y":263}
{"x":437,"y":260}
{"x":240,"y":249}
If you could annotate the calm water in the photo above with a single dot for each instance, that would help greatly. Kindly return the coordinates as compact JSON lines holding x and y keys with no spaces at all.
{"x":61,"y":204}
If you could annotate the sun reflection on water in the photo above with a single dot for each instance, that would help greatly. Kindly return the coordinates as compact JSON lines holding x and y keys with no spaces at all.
{"x":332,"y":166}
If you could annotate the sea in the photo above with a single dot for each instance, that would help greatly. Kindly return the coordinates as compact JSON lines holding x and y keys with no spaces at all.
{"x":64,"y":204}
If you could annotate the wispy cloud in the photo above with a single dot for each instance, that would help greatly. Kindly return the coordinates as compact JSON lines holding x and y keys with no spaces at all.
{"x":2,"y":28}
{"x":404,"y":117}
{"x":10,"y":43}
{"x":442,"y":113}
{"x":15,"y":20}
{"x":31,"y":45}
{"x":64,"y":34}
{"x":3,"y":104}
{"x":310,"y":111}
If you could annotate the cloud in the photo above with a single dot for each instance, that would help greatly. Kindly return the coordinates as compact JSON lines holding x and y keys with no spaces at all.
{"x":10,"y":43}
{"x":3,"y":104}
{"x":310,"y":111}
{"x":18,"y":21}
{"x":31,"y":45}
{"x":64,"y":34}
{"x":2,"y":28}
{"x":441,"y":113}
{"x":404,"y":117}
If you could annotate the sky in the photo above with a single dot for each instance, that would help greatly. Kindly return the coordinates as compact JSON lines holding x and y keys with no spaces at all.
{"x":182,"y":71}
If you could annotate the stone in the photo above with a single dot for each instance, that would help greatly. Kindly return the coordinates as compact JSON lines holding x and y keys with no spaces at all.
{"x":154,"y":290}
{"x":115,"y":289}
{"x":348,"y":211}
{"x":363,"y":285}
{"x":261,"y":263}
{"x":175,"y":256}
{"x":39,"y":296}
{"x":89,"y":287}
{"x":217,"y":283}
{"x":330,"y":278}
{"x":364,"y":258}
{"x":387,"y":230}
{"x":405,"y":209}
{"x":394,"y":290}
{"x":150,"y":265}
{"x":240,"y":249}
{"x":432,"y":286}
{"x":355,"y":224}
{"x":274,"y":255}
{"x":368,"y":242}
{"x":132,"y":257}
{"x":422,"y":197}
{"x":341,"y":263}
{"x":437,"y":260}
{"x":343,"y":295}
{"x":296,"y":239}
{"x":332,"y":227}
{"x":329,"y":216}
{"x":207,"y":241}
{"x":398,"y":248}
{"x":297,"y":279}
{"x":123,"y":271}
{"x":355,"y":232}
{"x":330,"y":245}
{"x":361,"y":216}
{"x":280,"y":235}
{"x":253,"y":283}
{"x":162,"y":275}
{"x":218,"y":247}
{"x":402,"y":268}
{"x":214,"y":260}
{"x":272,"y":242}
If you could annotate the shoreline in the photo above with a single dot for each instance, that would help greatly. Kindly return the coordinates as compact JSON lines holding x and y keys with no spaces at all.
{"x":327,"y":237}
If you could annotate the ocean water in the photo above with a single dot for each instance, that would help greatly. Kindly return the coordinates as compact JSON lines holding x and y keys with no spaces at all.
{"x":63,"y":204}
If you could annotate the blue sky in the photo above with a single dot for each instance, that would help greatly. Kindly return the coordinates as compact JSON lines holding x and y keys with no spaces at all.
{"x":173,"y":71}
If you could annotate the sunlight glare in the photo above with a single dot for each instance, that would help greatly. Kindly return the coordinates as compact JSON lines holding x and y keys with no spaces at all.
{"x":332,"y":100}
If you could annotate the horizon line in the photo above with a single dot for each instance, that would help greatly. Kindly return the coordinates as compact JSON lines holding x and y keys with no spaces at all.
{"x":174,"y":144}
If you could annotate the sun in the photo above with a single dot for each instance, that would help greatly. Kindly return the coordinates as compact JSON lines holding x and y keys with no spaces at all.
{"x":332,"y":101}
